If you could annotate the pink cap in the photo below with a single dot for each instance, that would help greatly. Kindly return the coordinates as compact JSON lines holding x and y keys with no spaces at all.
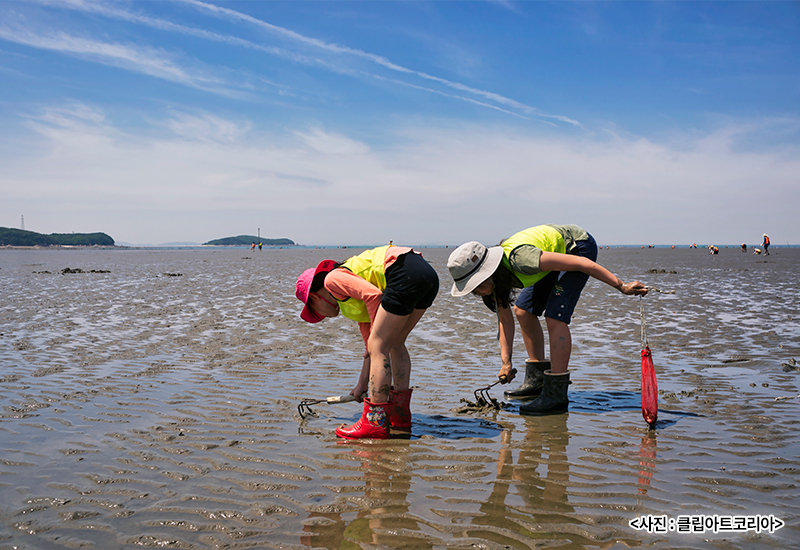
{"x":303,"y":289}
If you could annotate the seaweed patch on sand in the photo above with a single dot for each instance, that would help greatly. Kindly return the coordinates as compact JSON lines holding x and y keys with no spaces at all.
{"x":482,"y":406}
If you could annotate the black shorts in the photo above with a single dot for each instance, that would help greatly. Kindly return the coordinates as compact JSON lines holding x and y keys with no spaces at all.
{"x":558,"y":292}
{"x":411,"y":283}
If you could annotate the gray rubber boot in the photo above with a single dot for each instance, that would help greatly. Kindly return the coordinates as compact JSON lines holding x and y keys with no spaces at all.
{"x":553,"y":399}
{"x":534,"y":379}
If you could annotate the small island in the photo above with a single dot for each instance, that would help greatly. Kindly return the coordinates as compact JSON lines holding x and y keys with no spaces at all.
{"x":21,"y":237}
{"x":248,"y":240}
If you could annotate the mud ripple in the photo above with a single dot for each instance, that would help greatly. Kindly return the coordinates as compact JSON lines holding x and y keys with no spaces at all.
{"x":160,"y":411}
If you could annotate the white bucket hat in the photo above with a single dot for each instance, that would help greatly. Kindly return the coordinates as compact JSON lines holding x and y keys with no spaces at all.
{"x":472,"y":263}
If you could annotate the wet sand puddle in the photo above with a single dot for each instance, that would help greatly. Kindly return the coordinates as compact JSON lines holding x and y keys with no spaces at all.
{"x":156,"y":406}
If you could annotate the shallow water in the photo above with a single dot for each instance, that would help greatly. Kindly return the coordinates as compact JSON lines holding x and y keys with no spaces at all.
{"x":156,"y":406}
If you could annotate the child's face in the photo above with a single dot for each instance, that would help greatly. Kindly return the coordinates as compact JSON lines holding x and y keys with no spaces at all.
{"x":323,"y":303}
{"x":485,"y":288}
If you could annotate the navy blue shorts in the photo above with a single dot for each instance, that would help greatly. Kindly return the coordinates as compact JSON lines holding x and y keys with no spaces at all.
{"x":557,"y":294}
{"x":411,"y":283}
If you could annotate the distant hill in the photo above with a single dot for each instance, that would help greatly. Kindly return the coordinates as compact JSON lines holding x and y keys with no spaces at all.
{"x":248,"y":240}
{"x":20,"y":237}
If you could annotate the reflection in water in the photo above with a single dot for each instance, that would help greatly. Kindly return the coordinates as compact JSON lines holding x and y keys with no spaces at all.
{"x":384,"y":518}
{"x":539,"y":479}
{"x":647,"y":460}
{"x":386,"y":487}
{"x":324,"y":530}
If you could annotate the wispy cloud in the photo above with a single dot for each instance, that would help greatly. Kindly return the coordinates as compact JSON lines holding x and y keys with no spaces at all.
{"x":332,"y":143}
{"x":110,"y":11}
{"x":153,"y":62}
{"x":480,"y":97}
{"x":339,"y":49}
{"x":462,"y":98}
{"x":207,"y":127}
{"x":378,"y":60}
{"x":507,"y":4}
{"x":382,"y":61}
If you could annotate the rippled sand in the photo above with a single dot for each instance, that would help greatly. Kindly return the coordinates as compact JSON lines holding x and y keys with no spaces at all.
{"x":155,"y":405}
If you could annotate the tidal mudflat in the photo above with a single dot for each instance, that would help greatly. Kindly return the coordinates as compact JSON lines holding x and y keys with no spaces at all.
{"x":148,"y":398}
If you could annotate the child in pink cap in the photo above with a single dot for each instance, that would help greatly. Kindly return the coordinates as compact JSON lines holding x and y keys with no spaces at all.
{"x":386,"y":290}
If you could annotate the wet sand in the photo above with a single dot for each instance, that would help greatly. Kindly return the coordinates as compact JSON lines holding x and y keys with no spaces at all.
{"x":153,"y":403}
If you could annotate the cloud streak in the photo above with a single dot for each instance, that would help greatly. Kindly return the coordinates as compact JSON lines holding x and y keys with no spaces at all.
{"x":486,"y":99}
{"x":169,"y":26}
{"x":376,"y":59}
{"x":153,"y":62}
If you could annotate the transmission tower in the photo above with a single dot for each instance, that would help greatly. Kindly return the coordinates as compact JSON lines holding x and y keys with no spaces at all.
{"x":22,"y":223}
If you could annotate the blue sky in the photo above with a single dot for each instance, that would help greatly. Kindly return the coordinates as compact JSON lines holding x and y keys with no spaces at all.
{"x":420,"y":122}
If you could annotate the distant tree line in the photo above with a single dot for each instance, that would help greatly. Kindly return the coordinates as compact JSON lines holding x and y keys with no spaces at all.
{"x":249,"y":239}
{"x":20,"y":237}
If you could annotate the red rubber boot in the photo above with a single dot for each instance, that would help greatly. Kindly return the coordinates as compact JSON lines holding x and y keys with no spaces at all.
{"x":373,"y":424}
{"x":400,"y":410}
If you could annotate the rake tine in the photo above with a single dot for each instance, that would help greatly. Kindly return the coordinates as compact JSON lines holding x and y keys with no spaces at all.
{"x":305,"y":406}
{"x":483,"y":393}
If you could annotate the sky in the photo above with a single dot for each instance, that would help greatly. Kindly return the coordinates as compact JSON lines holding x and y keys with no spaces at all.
{"x":424,"y":123}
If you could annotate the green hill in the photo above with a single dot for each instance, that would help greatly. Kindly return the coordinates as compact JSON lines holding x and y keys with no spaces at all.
{"x":248,"y":240}
{"x":20,"y":237}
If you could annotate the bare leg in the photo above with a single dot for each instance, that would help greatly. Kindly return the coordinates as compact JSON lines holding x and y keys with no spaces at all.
{"x":532,"y":334}
{"x":401,"y":367}
{"x":389,"y":331}
{"x":363,"y":380}
{"x":560,"y":345}
{"x":401,"y":360}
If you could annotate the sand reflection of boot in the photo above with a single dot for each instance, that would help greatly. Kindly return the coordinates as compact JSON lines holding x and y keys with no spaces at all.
{"x":553,"y":399}
{"x":400,"y":409}
{"x":373,"y":424}
{"x":534,"y":379}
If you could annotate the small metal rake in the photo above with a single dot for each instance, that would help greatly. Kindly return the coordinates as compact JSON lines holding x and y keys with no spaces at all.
{"x":304,"y":408}
{"x":482,"y":394}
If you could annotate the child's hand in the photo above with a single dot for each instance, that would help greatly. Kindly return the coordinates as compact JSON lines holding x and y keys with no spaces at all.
{"x":507,"y":374}
{"x":635,"y":288}
{"x":359,"y":392}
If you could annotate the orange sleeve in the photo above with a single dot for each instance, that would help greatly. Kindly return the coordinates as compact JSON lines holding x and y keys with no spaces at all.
{"x":343,"y":284}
